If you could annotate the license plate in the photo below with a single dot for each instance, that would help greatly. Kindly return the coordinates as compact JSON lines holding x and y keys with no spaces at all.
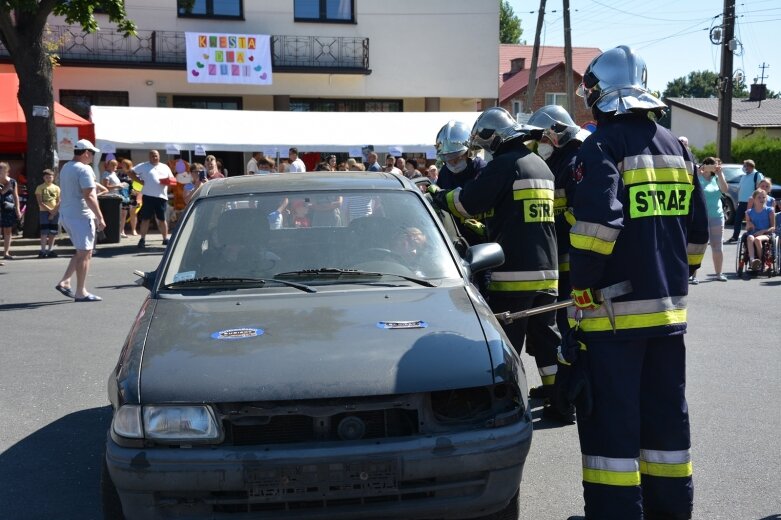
{"x":273,"y":483}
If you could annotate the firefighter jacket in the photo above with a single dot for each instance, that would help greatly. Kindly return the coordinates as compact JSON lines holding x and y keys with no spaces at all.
{"x":562,"y":163}
{"x":516,"y":188}
{"x":640,"y":216}
{"x":448,"y":180}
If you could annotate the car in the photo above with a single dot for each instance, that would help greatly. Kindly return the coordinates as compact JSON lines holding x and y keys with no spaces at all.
{"x":312,"y":347}
{"x":729,"y":201}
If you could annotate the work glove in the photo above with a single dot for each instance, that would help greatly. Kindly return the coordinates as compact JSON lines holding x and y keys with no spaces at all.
{"x":433,"y":189}
{"x":572,"y":385}
{"x":475,"y":226}
{"x":584,"y":299}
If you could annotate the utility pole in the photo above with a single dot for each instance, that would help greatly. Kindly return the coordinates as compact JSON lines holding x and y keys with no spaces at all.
{"x":535,"y":57}
{"x":724,"y":126}
{"x":568,"y":83}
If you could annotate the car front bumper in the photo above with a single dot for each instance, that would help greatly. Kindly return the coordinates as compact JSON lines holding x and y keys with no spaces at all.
{"x":459,"y":475}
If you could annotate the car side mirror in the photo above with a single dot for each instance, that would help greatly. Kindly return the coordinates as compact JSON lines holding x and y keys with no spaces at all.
{"x":146,"y":278}
{"x":484,"y":256}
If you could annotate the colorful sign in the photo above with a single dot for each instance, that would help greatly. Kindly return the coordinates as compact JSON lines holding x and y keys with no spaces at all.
{"x":66,"y":139}
{"x":241,"y":59}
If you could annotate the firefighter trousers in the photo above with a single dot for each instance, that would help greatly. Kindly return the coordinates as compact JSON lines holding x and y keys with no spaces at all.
{"x":635,"y":444}
{"x":539,"y":333}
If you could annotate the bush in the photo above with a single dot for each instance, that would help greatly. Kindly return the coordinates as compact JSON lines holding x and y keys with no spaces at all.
{"x":763,"y":149}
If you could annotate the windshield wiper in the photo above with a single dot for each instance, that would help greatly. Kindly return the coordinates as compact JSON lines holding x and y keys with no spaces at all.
{"x":335,"y":272}
{"x":233,"y":280}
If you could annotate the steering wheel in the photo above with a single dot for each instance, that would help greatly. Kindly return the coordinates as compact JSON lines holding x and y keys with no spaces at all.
{"x":381,"y":253}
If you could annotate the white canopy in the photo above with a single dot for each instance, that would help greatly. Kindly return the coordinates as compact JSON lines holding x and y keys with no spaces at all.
{"x":245,"y":131}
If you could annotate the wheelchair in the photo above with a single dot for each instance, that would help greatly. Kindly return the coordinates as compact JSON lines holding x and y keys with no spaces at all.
{"x":770,"y":259}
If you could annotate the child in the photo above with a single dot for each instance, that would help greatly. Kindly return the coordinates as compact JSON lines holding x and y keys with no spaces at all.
{"x":760,"y":222}
{"x":48,"y":196}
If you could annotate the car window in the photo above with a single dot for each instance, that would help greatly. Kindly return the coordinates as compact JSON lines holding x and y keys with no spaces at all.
{"x":732,"y":174}
{"x":262,"y":236}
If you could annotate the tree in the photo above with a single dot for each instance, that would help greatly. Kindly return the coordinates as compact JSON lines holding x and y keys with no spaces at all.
{"x":702,"y":84}
{"x":23,"y":32}
{"x":509,"y":25}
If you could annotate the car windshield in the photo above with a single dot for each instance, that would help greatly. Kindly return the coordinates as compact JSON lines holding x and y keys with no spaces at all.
{"x":312,"y":238}
{"x":732,"y":173}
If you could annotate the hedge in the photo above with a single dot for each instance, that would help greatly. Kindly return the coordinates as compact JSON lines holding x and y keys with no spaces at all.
{"x":764,"y":150}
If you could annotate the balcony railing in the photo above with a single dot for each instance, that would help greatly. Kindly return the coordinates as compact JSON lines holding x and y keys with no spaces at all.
{"x":166,"y":50}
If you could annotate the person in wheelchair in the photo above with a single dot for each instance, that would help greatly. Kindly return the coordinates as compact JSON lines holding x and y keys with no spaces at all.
{"x":760,"y":226}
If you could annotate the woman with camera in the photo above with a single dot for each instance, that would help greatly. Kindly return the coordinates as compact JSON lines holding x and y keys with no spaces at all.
{"x":714,"y":185}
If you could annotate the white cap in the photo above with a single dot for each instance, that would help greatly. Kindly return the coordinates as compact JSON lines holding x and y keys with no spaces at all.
{"x":684,"y":140}
{"x":85,"y":144}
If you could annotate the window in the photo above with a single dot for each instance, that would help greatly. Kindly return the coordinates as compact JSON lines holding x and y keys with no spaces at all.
{"x":556,"y":98}
{"x":79,"y":101}
{"x":213,"y":103}
{"x":344,"y":105}
{"x":211,"y":9}
{"x":517,"y":106}
{"x":328,"y":11}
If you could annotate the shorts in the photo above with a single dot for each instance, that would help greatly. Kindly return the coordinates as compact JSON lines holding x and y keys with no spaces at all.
{"x":48,"y":223}
{"x":152,"y":207}
{"x":81,"y":231}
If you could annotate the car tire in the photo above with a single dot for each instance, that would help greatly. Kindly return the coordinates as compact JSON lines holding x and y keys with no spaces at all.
{"x":112,"y":506}
{"x":510,"y":511}
{"x":729,"y":210}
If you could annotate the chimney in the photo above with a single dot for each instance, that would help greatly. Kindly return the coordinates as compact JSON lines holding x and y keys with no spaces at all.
{"x":758,"y":92}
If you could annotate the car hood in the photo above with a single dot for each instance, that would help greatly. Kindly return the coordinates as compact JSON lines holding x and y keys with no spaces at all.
{"x":304,"y":346}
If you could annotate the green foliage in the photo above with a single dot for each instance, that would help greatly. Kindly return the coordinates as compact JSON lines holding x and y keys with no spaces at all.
{"x":81,"y":12}
{"x":509,"y":25}
{"x":762,"y":148}
{"x":701,"y":84}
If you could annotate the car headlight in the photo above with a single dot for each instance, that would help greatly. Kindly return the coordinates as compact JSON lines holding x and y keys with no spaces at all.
{"x":492,"y":406}
{"x":180,"y":423}
{"x":127,"y":422}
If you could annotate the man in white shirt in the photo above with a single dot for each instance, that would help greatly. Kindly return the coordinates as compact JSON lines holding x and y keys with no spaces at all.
{"x":252,"y":165}
{"x":296,"y":164}
{"x":155,"y":176}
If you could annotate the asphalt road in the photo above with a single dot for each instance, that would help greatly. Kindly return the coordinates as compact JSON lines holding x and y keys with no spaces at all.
{"x":55,"y":357}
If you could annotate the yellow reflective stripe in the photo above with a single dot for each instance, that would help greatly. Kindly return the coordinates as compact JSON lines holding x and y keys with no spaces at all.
{"x":536,"y":285}
{"x":645,"y":175}
{"x":542,"y":194}
{"x":569,"y":217}
{"x":559,"y":202}
{"x":589,"y":243}
{"x":548,"y":380}
{"x":632,"y":321}
{"x":454,"y":203}
{"x":611,"y":478}
{"x":695,"y":259}
{"x":657,"y":469}
{"x":695,"y":253}
{"x":564,"y":267}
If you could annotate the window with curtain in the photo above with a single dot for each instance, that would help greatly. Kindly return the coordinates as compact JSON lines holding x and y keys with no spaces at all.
{"x":556,"y":98}
{"x":326,"y":11}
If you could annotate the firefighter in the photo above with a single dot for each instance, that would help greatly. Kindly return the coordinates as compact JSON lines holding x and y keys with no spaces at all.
{"x":559,"y":143}
{"x":516,"y":189}
{"x":640,"y":216}
{"x":458,"y":169}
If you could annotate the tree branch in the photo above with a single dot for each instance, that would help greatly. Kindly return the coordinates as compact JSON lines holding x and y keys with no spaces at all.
{"x":7,"y":31}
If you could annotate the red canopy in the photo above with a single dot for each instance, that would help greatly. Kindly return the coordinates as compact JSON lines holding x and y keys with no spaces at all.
{"x":13,"y":126}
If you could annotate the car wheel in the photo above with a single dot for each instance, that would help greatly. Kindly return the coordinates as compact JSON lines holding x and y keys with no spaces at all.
{"x":510,"y":512}
{"x":112,"y":507}
{"x":729,"y":210}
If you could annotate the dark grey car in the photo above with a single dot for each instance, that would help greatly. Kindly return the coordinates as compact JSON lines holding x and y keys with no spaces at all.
{"x":312,"y":348}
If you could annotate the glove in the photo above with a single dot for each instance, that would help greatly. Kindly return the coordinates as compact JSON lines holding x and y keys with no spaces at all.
{"x":433,"y":189}
{"x":572,"y":385}
{"x":584,"y":299}
{"x":476,"y":227}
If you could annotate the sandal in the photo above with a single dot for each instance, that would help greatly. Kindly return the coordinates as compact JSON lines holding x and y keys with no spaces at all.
{"x":65,"y":291}
{"x":8,"y":257}
{"x":89,"y":298}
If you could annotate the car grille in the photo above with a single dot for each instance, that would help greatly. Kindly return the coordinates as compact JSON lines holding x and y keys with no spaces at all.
{"x":286,"y":429}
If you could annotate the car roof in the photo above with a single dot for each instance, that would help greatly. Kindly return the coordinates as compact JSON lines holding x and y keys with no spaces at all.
{"x":310,"y":181}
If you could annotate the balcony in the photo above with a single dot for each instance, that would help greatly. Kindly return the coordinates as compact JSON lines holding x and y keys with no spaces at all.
{"x":166,"y":50}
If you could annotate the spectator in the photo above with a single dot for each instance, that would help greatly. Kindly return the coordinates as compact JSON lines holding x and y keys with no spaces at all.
{"x":331,"y":163}
{"x":371,"y":162}
{"x":748,"y":183}
{"x":411,"y":171}
{"x":81,"y":217}
{"x":400,"y":164}
{"x":432,"y":173}
{"x":252,"y":165}
{"x":341,"y":166}
{"x":766,"y":185}
{"x":198,"y":174}
{"x":390,"y":165}
{"x":355,"y":166}
{"x":129,"y":207}
{"x":760,"y":223}
{"x":714,"y":185}
{"x":323,"y":167}
{"x":266,"y":166}
{"x":111,"y":181}
{"x":213,"y":168}
{"x":155,"y":177}
{"x":48,"y":196}
{"x":10,"y":212}
{"x":296,"y":164}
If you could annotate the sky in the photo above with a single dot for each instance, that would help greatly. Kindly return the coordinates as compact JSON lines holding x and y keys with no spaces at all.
{"x":672,"y":36}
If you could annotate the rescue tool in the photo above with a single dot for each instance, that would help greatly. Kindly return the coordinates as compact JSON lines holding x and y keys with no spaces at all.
{"x":604,"y":296}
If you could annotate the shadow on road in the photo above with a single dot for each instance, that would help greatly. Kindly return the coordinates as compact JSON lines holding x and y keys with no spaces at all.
{"x":31,"y":305}
{"x":55,"y":471}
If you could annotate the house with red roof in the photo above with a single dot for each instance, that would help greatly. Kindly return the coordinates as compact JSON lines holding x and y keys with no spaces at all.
{"x":514,"y":70}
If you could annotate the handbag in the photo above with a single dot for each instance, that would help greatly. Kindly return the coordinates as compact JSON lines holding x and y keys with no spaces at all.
{"x":8,"y":199}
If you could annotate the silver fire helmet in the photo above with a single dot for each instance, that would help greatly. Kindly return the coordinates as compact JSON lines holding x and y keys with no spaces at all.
{"x":615,"y":82}
{"x":557,"y":125}
{"x":494,"y":127}
{"x":452,"y":140}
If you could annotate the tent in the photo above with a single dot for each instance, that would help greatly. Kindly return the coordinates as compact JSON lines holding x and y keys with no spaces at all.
{"x":13,"y":126}
{"x":145,"y":128}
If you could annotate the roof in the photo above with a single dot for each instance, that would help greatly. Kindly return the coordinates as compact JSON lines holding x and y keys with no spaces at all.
{"x":520,"y":80}
{"x":145,"y":128}
{"x":745,"y":114}
{"x":581,"y":57}
{"x":310,"y":181}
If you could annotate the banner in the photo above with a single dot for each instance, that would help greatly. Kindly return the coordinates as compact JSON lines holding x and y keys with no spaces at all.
{"x":66,"y":139}
{"x":239,"y":59}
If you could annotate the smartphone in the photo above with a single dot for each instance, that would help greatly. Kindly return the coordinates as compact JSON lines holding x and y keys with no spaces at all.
{"x":202,"y":176}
